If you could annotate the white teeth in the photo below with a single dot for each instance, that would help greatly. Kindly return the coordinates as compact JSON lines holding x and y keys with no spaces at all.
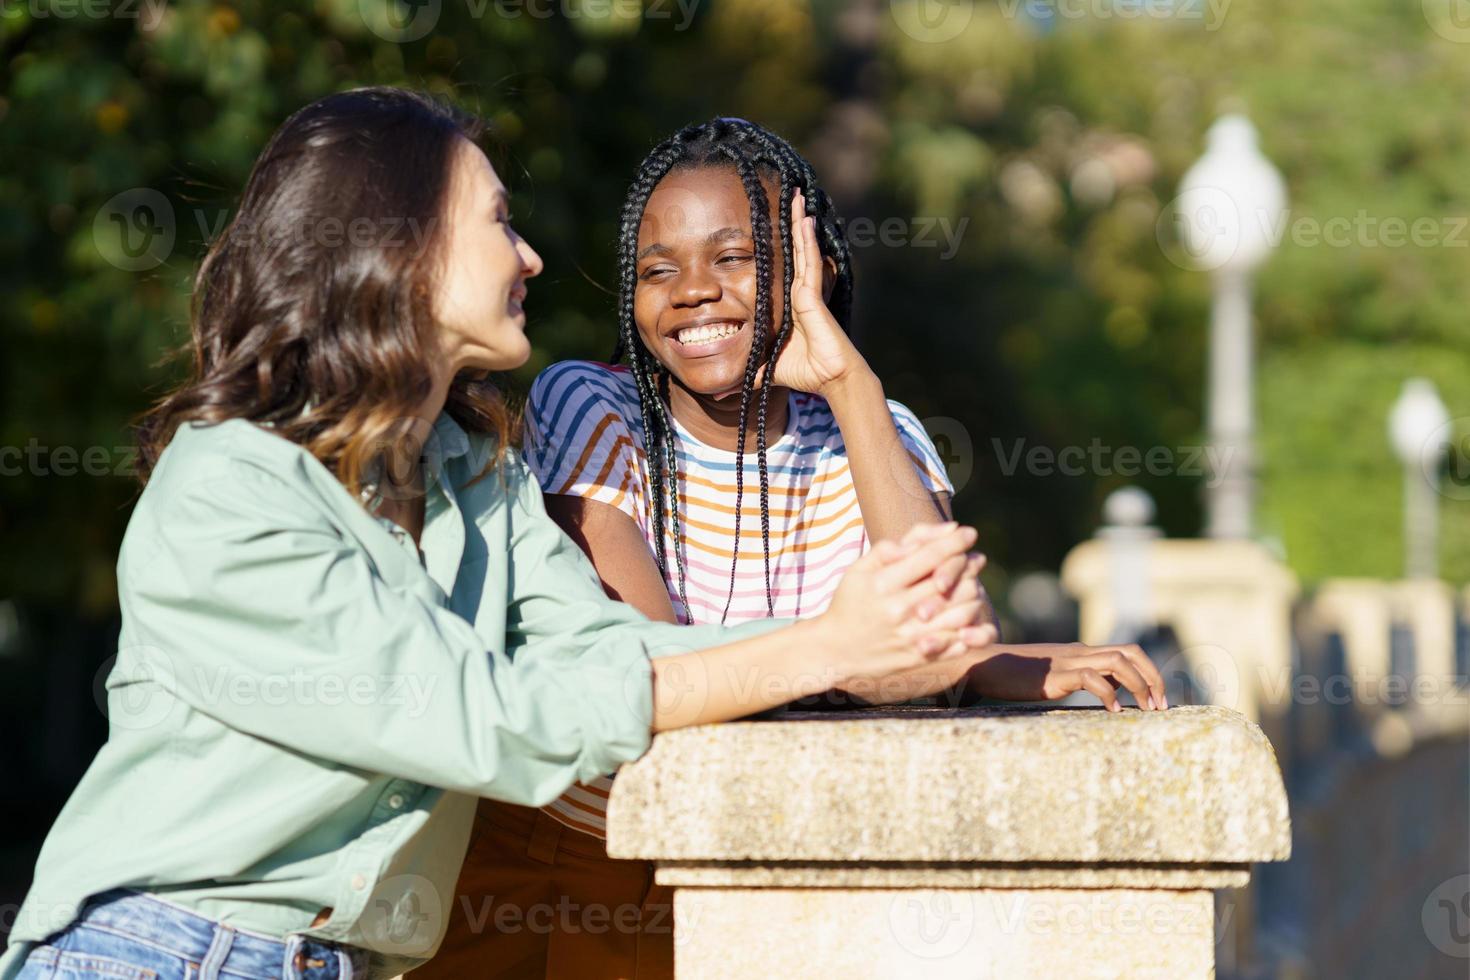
{"x":706,"y":334}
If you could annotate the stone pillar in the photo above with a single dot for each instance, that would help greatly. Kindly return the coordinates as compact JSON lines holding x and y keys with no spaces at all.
{"x":989,"y":842}
{"x":1230,"y":604}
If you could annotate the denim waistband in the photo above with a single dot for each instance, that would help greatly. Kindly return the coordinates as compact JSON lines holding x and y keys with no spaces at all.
{"x":217,"y":947}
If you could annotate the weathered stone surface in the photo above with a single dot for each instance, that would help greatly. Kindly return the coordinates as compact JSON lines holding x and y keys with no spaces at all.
{"x":933,"y":934}
{"x":990,"y":785}
{"x":918,"y":874}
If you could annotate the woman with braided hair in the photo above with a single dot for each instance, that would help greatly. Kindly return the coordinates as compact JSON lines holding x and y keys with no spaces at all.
{"x":735,"y":287}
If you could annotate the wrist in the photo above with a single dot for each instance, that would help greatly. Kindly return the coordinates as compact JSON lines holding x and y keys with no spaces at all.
{"x":825,"y":661}
{"x":857,"y":386}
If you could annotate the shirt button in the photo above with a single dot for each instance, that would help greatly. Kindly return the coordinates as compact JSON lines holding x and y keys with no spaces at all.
{"x":358,"y":882}
{"x":396,"y":801}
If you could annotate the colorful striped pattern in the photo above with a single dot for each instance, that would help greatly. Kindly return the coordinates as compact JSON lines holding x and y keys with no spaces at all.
{"x":584,"y":437}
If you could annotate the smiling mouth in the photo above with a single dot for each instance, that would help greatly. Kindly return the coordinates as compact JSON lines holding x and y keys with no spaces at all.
{"x":706,"y":334}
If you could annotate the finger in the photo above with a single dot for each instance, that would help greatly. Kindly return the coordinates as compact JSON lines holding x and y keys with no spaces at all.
{"x":921,"y":562}
{"x":931,"y":646}
{"x":956,"y":615}
{"x":979,"y":637}
{"x":1114,"y":664}
{"x":1090,"y":680}
{"x":969,"y":576}
{"x":930,"y":596}
{"x":798,"y":241}
{"x":949,"y":573}
{"x":876,"y":557}
{"x":1150,"y":671}
{"x":927,"y":531}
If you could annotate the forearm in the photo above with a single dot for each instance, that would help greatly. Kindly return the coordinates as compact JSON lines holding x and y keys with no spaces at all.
{"x":890,"y":493}
{"x":742,"y":678}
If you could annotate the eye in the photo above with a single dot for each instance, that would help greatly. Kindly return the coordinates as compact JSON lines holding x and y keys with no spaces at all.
{"x":654,"y":273}
{"x":732,"y":257}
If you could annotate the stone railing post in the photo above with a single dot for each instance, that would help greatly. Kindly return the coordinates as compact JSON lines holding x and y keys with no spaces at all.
{"x":983,"y":843}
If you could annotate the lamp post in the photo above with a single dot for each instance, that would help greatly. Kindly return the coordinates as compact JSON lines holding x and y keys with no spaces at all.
{"x":1230,"y":213}
{"x":1418,"y":427}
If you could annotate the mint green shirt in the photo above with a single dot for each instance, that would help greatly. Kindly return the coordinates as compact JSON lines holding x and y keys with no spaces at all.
{"x":304,"y":708}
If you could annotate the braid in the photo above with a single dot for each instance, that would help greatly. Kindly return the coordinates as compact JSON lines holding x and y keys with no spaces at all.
{"x":656,"y":429}
{"x":752,"y":152}
{"x":760,"y":227}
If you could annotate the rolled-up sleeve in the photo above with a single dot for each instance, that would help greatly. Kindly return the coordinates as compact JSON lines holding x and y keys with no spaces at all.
{"x":253,"y":608}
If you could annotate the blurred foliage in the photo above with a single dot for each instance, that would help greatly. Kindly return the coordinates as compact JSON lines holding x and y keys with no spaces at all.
{"x":1051,"y":145}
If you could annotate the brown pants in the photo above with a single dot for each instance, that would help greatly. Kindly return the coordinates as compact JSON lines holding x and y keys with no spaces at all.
{"x":538,"y":899}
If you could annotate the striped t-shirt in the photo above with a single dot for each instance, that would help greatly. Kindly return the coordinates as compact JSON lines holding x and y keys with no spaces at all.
{"x":584,"y":438}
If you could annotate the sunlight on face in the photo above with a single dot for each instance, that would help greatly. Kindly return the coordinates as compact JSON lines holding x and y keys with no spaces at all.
{"x":486,"y":264}
{"x":694,"y":303}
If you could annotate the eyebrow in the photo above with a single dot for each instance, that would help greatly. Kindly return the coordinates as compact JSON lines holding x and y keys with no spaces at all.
{"x":714,"y":238}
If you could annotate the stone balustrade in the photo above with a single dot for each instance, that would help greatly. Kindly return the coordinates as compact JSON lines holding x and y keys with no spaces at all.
{"x":989,"y":842}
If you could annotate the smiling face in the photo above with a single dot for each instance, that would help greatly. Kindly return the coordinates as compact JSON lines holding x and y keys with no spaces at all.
{"x":694,"y":303}
{"x":482,"y":282}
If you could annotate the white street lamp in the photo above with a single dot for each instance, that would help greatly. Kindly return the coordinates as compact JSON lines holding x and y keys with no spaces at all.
{"x":1419,"y":428}
{"x":1230,"y":213}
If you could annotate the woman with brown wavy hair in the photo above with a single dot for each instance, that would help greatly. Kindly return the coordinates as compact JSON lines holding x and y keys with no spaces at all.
{"x":346,"y":615}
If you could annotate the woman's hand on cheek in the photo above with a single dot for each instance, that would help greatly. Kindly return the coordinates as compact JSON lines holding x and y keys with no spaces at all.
{"x":818,"y":355}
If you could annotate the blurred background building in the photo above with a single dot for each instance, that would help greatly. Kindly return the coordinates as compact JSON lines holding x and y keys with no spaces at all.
{"x":1039,"y":276}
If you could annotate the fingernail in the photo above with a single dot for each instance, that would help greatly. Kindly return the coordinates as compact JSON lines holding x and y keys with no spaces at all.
{"x":1165,"y":699}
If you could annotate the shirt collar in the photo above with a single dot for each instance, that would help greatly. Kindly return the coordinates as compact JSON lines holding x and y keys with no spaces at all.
{"x":447,"y":441}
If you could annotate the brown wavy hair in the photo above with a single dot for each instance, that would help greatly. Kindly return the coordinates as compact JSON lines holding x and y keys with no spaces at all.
{"x":311,"y":311}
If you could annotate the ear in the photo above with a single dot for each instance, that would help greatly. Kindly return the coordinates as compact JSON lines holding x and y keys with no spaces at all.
{"x":829,"y":277}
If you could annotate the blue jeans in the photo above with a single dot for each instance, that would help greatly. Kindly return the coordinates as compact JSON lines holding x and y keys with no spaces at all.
{"x":126,"y":935}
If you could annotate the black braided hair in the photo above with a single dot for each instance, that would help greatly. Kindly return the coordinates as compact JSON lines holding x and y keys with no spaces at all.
{"x":752,"y":152}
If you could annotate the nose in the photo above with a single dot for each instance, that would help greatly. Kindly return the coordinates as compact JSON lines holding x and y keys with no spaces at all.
{"x":694,"y":287}
{"x":531,"y":264}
